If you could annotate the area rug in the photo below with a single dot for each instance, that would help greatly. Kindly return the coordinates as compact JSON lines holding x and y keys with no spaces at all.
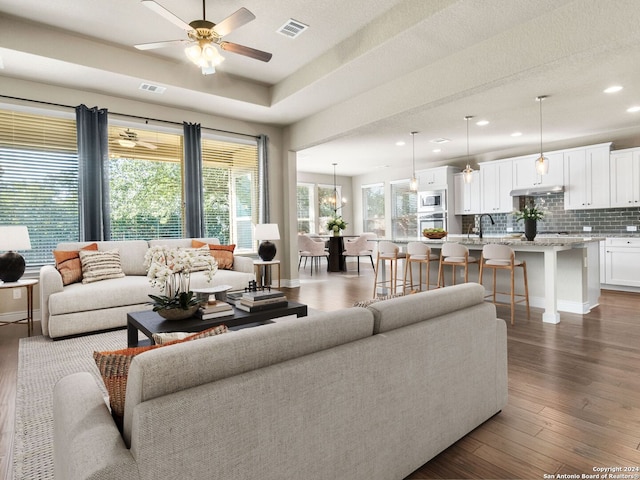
{"x":41,"y":363}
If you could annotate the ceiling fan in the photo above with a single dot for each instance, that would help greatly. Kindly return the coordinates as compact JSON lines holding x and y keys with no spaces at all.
{"x":129,"y":139}
{"x":204,"y":34}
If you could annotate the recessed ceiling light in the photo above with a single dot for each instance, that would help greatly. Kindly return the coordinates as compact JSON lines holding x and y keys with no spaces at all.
{"x":482,"y":123}
{"x":516,"y":134}
{"x":436,"y":150}
{"x":400,"y":143}
{"x":633,"y":109}
{"x":613,"y":89}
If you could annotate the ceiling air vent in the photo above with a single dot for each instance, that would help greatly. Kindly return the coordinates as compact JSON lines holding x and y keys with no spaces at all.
{"x":147,"y":87}
{"x":292,"y":28}
{"x":440,"y":140}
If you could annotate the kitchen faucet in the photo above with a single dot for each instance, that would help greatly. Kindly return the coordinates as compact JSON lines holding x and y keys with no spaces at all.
{"x":480,"y":222}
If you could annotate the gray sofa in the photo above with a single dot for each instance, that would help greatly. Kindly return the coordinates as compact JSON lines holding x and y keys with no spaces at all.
{"x":360,"y":393}
{"x":83,"y":308}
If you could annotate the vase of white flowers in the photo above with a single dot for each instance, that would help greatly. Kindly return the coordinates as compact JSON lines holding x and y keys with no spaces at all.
{"x":170,"y":270}
{"x":336,"y":224}
{"x":530,"y":215}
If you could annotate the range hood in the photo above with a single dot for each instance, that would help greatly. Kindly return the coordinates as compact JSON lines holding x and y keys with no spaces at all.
{"x":537,"y":191}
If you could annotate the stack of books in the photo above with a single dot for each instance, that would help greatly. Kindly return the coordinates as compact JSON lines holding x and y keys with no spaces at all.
{"x":214,"y":309}
{"x":261,"y":300}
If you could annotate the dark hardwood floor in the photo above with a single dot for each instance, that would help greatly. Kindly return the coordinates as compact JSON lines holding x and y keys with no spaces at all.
{"x":574,"y":390}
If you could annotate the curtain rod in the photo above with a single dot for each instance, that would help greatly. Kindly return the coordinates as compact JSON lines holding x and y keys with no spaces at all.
{"x":170,"y":122}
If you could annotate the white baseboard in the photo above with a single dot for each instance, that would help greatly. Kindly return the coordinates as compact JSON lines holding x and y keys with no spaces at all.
{"x":19,"y":315}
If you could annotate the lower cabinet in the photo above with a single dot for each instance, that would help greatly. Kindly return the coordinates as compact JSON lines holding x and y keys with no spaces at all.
{"x":621,"y":262}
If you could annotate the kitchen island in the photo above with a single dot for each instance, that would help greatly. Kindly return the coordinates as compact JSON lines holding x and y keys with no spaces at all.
{"x":563,"y":272}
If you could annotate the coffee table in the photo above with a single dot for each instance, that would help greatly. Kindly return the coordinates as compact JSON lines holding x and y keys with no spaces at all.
{"x":149,"y":322}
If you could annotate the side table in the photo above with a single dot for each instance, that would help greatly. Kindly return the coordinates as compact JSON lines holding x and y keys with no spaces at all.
{"x":28,"y":284}
{"x":260,"y":267}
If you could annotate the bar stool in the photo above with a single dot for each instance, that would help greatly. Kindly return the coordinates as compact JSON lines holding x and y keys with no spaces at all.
{"x":387,"y":251}
{"x":502,"y":257}
{"x":417,"y":252}
{"x":455,"y":255}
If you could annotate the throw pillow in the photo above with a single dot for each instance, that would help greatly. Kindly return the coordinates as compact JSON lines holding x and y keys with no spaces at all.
{"x":199,"y":265}
{"x":222,"y":253}
{"x":98,"y":266}
{"x":68,"y":264}
{"x":114,"y":368}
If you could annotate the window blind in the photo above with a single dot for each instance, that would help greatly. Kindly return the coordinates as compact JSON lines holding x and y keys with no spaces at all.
{"x":39,"y":180}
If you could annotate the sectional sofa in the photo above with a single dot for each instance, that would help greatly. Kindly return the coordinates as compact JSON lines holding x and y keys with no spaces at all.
{"x":80,"y":308}
{"x":360,"y":394}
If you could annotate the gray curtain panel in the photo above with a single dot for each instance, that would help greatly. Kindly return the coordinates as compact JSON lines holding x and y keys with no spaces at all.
{"x":263,"y":181}
{"x":93,"y":158}
{"x":193,"y":189}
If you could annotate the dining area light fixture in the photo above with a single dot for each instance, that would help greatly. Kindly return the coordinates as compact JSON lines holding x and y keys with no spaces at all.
{"x":542,"y":162}
{"x":413,"y":183}
{"x":467,"y":173}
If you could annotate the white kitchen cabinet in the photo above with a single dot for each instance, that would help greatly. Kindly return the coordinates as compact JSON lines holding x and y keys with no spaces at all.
{"x":525,"y":175}
{"x":432,"y":179}
{"x":496,"y":183}
{"x":622,"y":260}
{"x":625,"y":178}
{"x":586,"y":178}
{"x":467,"y":195}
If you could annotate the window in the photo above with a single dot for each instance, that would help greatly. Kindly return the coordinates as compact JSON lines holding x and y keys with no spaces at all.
{"x":404,"y":221}
{"x":230,"y":177}
{"x":39,"y":180}
{"x":305,"y":207}
{"x":145,"y":185}
{"x":373,"y":209}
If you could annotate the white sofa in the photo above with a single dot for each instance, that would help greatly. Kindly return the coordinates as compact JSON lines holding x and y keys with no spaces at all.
{"x":82,"y":308}
{"x":360,"y":394}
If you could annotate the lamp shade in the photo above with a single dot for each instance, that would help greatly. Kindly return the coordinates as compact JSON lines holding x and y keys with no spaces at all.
{"x":12,"y":265}
{"x":14,"y":238}
{"x":267,"y":231}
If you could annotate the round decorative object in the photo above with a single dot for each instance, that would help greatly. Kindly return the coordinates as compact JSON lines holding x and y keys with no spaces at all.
{"x":267,"y":250}
{"x":11,"y":267}
{"x":336,"y":233}
{"x":530,"y":228}
{"x":178,"y":313}
{"x":434,"y":235}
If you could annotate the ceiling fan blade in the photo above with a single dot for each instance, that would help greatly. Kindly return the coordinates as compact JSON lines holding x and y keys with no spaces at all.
{"x":148,"y":145}
{"x":163,"y":12}
{"x":233,"y":21}
{"x":151,"y":46}
{"x":246,"y":51}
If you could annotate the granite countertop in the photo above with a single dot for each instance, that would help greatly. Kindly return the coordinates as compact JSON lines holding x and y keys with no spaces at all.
{"x":519,"y":241}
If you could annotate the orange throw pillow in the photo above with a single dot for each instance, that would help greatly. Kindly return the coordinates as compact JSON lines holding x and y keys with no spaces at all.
{"x":222,"y":253}
{"x":114,"y":369}
{"x":69,"y":265}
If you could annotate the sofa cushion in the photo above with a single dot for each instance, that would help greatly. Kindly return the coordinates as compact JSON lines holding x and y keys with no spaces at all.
{"x":131,"y":253}
{"x":69,"y":265}
{"x":406,"y":310}
{"x":222,"y":253}
{"x":98,"y":266}
{"x":114,"y":368}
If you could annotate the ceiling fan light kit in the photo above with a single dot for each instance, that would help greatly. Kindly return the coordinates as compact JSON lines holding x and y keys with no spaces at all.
{"x":203,"y":35}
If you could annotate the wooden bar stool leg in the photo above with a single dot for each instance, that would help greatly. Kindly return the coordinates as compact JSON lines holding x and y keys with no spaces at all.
{"x":513,"y":297}
{"x":526,"y":288}
{"x":375,"y":277}
{"x":494,"y":284}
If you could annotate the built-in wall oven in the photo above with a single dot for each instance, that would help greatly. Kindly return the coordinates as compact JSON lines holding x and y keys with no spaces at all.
{"x":431,"y":220}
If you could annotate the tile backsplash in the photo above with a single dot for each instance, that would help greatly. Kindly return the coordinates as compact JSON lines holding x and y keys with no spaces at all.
{"x":556,"y":219}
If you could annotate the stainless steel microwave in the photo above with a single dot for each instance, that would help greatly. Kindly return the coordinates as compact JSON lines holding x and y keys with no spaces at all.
{"x":432,"y":201}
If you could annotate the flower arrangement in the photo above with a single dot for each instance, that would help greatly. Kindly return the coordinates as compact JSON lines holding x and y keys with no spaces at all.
{"x":529,"y":213}
{"x":336,"y":224}
{"x":170,"y":270}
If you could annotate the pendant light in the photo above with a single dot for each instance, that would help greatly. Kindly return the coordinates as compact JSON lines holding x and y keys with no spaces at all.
{"x":413,"y":184}
{"x":468,"y":171}
{"x":542,"y":162}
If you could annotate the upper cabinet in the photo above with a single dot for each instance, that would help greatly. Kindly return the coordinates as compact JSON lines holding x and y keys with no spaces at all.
{"x":433,"y":179}
{"x":586,"y":178}
{"x":496,"y":183}
{"x":467,"y":195}
{"x":625,"y":178}
{"x":525,"y":175}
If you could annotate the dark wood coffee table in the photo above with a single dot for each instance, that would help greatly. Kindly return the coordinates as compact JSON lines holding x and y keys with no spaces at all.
{"x":149,"y":322}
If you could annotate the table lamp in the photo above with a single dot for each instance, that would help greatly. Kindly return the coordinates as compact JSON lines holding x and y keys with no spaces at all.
{"x":12,"y":264}
{"x":267,"y":232}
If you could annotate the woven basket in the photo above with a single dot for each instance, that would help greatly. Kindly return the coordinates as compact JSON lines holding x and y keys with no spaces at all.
{"x":434,"y":235}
